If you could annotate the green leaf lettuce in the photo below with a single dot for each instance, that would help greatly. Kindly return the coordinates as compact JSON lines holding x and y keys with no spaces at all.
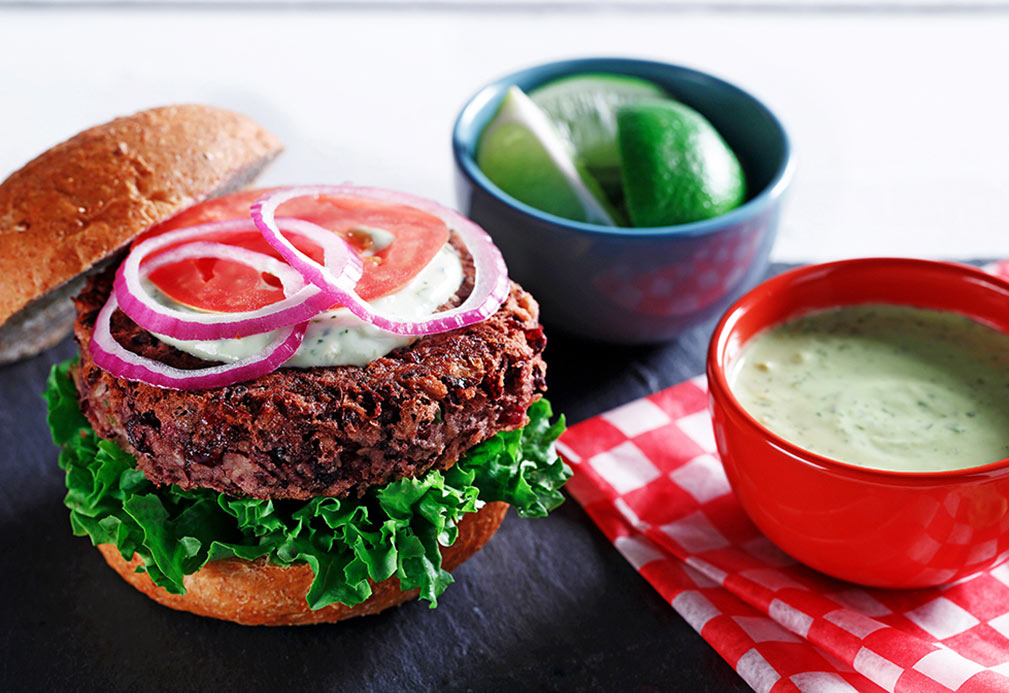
{"x":394,"y":530}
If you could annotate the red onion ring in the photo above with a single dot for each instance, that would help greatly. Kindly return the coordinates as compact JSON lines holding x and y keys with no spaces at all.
{"x":111,"y":356}
{"x":309,"y":288}
{"x":303,"y":304}
{"x":490,"y":284}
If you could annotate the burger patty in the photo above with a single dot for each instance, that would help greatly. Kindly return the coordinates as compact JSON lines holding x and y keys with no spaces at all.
{"x":325,"y":431}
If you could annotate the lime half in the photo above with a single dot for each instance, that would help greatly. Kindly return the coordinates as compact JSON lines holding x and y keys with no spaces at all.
{"x":676,"y":167}
{"x":522,"y":153}
{"x":584,"y":107}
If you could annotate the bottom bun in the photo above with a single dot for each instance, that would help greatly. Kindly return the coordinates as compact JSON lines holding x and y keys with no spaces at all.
{"x":260,"y":593}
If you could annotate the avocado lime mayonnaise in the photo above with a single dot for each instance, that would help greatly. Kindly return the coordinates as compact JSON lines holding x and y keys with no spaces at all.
{"x":338,"y":338}
{"x":882,"y":386}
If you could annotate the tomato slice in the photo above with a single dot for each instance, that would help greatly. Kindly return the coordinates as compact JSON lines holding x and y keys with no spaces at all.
{"x":217,"y":285}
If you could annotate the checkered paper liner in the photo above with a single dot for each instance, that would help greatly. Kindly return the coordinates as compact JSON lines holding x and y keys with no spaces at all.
{"x":648,"y":474}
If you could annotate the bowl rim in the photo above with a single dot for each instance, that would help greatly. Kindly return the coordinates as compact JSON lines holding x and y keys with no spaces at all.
{"x":462,"y":151}
{"x":721,"y":393}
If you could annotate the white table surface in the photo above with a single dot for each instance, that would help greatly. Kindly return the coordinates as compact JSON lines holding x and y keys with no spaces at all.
{"x":900,"y":119}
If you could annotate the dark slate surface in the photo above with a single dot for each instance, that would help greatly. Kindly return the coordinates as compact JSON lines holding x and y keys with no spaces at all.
{"x":547,"y":605}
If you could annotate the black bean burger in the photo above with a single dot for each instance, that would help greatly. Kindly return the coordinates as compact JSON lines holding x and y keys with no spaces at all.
{"x":291,"y":406}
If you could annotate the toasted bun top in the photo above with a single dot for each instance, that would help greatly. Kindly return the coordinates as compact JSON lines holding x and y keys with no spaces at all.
{"x":87,"y":197}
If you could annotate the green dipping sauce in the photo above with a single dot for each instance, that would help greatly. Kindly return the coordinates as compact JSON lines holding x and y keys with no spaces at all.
{"x":882,"y":386}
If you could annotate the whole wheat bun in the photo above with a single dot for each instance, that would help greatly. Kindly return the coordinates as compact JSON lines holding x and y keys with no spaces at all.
{"x":259,"y":593}
{"x":74,"y":206}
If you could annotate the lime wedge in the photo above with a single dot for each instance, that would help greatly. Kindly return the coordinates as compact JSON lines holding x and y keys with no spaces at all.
{"x":583,"y":108}
{"x":521,"y":152}
{"x":676,"y":167}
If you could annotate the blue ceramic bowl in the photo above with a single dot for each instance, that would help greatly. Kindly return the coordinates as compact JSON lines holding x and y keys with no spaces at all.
{"x":634,"y":285}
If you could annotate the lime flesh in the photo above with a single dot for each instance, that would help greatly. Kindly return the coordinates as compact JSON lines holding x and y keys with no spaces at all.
{"x":522,"y":153}
{"x":677,"y":169}
{"x":584,"y":110}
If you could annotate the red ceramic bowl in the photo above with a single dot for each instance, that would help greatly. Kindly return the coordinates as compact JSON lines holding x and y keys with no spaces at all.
{"x":874,"y":527}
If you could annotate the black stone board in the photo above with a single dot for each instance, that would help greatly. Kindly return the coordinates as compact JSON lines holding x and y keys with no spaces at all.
{"x":546,"y":605}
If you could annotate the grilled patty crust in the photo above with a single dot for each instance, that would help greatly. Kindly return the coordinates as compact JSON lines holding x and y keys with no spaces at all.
{"x":326,"y":431}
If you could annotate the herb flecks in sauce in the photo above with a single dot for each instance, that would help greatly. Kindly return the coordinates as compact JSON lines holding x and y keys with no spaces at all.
{"x":883,"y":386}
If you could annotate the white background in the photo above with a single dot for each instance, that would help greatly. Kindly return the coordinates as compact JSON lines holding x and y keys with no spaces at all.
{"x":900,"y":118}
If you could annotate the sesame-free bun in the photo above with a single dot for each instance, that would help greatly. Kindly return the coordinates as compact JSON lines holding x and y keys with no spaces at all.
{"x":259,"y":593}
{"x":81,"y":201}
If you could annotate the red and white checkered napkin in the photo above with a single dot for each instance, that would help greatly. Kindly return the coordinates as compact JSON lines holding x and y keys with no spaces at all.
{"x":648,"y":474}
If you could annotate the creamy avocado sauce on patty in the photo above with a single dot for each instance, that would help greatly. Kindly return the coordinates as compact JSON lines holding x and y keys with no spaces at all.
{"x":882,"y":386}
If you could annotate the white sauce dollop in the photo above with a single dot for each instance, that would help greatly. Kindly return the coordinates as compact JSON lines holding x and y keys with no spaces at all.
{"x":337,"y":337}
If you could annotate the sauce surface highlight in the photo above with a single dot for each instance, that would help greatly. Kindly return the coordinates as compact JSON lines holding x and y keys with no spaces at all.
{"x":882,"y":386}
